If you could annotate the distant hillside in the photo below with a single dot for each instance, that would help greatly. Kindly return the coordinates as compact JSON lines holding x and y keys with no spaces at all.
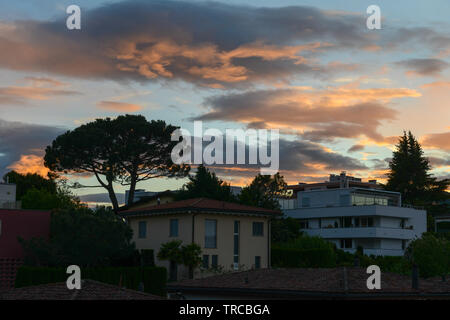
{"x":102,"y":198}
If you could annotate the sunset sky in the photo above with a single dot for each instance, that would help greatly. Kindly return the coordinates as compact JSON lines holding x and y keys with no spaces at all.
{"x":340,"y":93}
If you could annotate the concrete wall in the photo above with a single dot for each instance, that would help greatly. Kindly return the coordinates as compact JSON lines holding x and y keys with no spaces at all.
{"x":7,"y":195}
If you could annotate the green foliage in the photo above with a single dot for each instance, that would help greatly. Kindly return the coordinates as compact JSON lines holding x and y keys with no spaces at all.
{"x":307,"y":242}
{"x":344,"y":259}
{"x":171,"y":251}
{"x":147,"y":258}
{"x":409,"y":174}
{"x":126,"y":150}
{"x":41,"y":199}
{"x":264,"y":191}
{"x":285,"y":229}
{"x":304,"y":252}
{"x":207,"y":185}
{"x":303,"y":258}
{"x":153,"y":278}
{"x":188,"y":255}
{"x":30,"y":181}
{"x":83,"y":237}
{"x":431,"y":254}
{"x":191,"y":255}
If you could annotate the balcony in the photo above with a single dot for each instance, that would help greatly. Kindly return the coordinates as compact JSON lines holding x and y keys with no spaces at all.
{"x":379,"y":252}
{"x":370,"y":232}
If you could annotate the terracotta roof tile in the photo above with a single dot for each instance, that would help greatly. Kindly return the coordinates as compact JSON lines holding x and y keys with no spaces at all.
{"x":314,"y":280}
{"x":202,"y":204}
{"x":90,"y":290}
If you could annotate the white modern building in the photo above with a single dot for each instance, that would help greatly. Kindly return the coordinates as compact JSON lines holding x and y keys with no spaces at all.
{"x":351,"y":214}
{"x":8,"y":196}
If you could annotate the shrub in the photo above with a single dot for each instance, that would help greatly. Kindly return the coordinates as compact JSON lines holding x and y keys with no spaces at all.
{"x":303,"y":258}
{"x":147,"y":258}
{"x":153,"y":278}
{"x":431,"y":254}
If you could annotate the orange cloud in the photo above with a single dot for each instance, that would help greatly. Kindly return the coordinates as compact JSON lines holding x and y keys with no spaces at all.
{"x":119,"y":106}
{"x":437,"y":140}
{"x":39,"y":89}
{"x":30,"y":164}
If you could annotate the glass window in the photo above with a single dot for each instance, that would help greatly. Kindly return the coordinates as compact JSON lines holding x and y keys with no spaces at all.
{"x":258,"y":229}
{"x":346,"y":243}
{"x":347,"y":222}
{"x":142,"y":229}
{"x":236,"y":242}
{"x":210,"y":233}
{"x":205,"y":263}
{"x":304,"y":224}
{"x":173,"y":228}
{"x":214,"y":261}
{"x":257,"y":262}
{"x":364,"y":222}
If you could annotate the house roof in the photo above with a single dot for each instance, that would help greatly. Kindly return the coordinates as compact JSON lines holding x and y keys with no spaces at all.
{"x":144,"y":199}
{"x":311,"y":282}
{"x":90,"y":290}
{"x":200,"y":205}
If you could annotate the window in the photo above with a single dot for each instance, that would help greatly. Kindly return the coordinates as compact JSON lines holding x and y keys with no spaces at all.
{"x":258,"y":229}
{"x":257,"y":262}
{"x":214,"y":261}
{"x":210,"y":233}
{"x":366,"y":222}
{"x":346,"y":243}
{"x":205,"y":263}
{"x":347,"y":222}
{"x":236,"y":242}
{"x":305,"y":202}
{"x":142,"y":229}
{"x":173,"y":228}
{"x":304,"y":224}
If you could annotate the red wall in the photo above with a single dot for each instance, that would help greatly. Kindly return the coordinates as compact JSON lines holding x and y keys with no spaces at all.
{"x":24,"y":223}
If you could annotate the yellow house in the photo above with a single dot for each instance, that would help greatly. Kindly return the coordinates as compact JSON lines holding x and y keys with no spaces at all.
{"x":233,"y":237}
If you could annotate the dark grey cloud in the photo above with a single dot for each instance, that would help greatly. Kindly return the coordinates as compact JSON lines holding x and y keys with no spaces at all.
{"x":195,"y":42}
{"x":356,"y":147}
{"x":18,"y":138}
{"x":439,"y":162}
{"x":297,"y":157}
{"x":287,"y":108}
{"x":424,"y":67}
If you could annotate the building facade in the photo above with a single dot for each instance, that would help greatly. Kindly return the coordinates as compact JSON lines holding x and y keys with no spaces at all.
{"x":232,"y":237}
{"x":8,"y":196}
{"x":351,"y":214}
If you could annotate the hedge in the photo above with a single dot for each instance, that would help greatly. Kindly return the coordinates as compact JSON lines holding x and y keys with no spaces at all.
{"x":303,"y":258}
{"x":153,"y":278}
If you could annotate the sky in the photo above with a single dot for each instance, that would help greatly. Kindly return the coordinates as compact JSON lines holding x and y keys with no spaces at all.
{"x":339,"y":93}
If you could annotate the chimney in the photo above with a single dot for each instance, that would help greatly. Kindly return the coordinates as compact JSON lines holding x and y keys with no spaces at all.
{"x":415,"y":277}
